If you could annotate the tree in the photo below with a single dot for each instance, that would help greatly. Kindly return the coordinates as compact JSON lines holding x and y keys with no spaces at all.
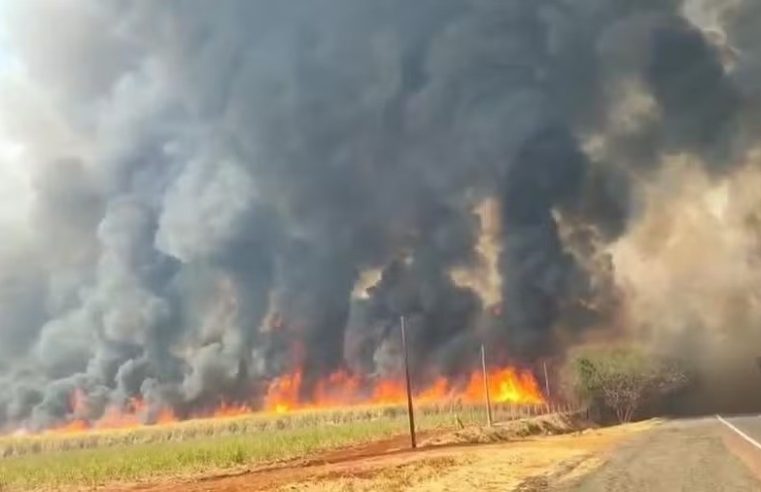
{"x":622,"y":379}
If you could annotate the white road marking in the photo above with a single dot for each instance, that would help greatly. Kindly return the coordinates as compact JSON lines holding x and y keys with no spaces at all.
{"x":739,"y":432}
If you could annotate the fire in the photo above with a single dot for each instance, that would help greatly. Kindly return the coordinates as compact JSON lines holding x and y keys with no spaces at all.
{"x":288,"y":393}
{"x":116,"y":418}
{"x":438,"y":391}
{"x":283,"y":393}
{"x":341,"y":389}
{"x":134,"y":413}
{"x":388,"y":392}
{"x":507,"y":385}
{"x":77,"y":425}
{"x":165,"y":416}
{"x":517,"y":388}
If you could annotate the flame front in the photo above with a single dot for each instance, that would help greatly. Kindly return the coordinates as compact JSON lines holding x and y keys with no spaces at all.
{"x":283,"y":393}
{"x":133,"y":413}
{"x":507,"y":385}
{"x":340,"y":389}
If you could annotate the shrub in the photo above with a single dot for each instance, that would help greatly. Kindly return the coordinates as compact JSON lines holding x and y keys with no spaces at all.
{"x":621,"y":379}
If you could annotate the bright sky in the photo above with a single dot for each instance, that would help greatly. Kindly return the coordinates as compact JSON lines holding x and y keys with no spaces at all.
{"x":15,"y":188}
{"x":4,"y":57}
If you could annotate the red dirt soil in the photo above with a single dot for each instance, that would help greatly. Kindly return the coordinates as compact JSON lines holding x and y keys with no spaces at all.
{"x":354,"y":458}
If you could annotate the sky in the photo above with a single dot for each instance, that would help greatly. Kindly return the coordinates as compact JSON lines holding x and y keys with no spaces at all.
{"x":15,"y":187}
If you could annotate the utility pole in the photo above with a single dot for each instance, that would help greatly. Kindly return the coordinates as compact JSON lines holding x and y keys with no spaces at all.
{"x":486,"y":386}
{"x":546,"y":381}
{"x":410,"y":410}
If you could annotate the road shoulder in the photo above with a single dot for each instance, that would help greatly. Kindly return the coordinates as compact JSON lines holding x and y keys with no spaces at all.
{"x":679,"y":455}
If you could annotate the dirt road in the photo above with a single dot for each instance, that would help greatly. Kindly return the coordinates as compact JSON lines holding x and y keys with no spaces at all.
{"x":699,"y":455}
{"x":386,"y":466}
{"x":692,"y":455}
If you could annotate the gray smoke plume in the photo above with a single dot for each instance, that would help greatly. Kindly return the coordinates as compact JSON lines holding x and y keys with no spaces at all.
{"x":211,"y":181}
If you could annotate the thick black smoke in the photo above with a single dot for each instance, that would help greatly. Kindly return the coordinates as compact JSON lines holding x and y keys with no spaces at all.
{"x":212,"y":180}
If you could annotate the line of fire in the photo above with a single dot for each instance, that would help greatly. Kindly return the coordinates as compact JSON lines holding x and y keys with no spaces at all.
{"x":486,"y":385}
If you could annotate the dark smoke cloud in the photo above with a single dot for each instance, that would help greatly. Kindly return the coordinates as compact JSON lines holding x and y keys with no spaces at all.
{"x":214,"y":178}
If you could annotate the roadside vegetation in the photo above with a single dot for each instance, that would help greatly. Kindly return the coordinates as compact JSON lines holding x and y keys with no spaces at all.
{"x":131,"y":462}
{"x":615,"y":384}
{"x":93,"y":459}
{"x":618,"y":382}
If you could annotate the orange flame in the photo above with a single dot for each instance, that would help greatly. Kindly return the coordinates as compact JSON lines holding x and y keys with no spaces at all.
{"x":283,"y":393}
{"x":439,"y":391}
{"x":339,"y":389}
{"x":77,"y":425}
{"x":507,"y":385}
{"x":133,"y":414}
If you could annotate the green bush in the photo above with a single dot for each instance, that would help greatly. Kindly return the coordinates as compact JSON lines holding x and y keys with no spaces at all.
{"x":620,"y":380}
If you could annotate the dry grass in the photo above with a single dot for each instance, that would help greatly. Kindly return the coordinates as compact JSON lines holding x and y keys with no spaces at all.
{"x":391,"y":479}
{"x":94,"y":459}
{"x":549,"y":425}
{"x":429,"y":417}
{"x":535,"y":463}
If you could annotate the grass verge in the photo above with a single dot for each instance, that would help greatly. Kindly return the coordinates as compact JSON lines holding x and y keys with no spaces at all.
{"x":203,"y":447}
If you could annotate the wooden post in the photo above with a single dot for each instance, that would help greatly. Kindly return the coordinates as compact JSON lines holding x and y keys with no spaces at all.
{"x":489,"y":420}
{"x":546,"y":381}
{"x":410,"y":410}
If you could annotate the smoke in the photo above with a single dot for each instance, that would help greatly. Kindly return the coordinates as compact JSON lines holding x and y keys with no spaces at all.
{"x":689,"y":269}
{"x":218,"y":192}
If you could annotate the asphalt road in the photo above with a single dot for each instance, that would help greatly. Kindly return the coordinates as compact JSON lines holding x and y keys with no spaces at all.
{"x":750,"y":425}
{"x":699,"y":455}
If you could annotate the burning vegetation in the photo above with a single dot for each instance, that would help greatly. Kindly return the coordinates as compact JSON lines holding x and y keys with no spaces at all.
{"x":339,"y":391}
{"x":229,"y":205}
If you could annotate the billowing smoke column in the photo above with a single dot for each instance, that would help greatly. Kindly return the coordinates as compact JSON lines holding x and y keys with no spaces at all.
{"x":211,"y":184}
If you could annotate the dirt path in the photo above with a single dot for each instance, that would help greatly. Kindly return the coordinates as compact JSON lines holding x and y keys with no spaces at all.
{"x":269,"y":476}
{"x":390,"y":466}
{"x":692,"y":455}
